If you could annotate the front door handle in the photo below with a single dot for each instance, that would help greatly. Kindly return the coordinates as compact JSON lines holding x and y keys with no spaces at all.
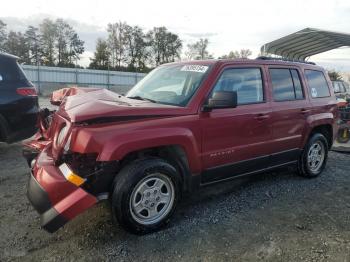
{"x":305,"y":111}
{"x":261,"y":117}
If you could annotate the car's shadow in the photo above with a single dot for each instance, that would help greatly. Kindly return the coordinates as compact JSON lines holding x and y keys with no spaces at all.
{"x":245,"y":193}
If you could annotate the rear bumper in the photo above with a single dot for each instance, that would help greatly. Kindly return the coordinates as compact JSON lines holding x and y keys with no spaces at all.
{"x":56,"y":199}
{"x":21,"y":126}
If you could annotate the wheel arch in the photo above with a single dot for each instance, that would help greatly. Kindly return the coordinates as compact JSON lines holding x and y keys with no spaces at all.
{"x":326,"y":130}
{"x":174,"y":154}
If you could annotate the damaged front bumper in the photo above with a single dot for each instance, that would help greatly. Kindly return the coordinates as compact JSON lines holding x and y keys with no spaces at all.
{"x":55,"y":198}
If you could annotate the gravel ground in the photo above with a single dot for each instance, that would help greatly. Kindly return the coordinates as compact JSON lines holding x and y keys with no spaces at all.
{"x":275,"y":216}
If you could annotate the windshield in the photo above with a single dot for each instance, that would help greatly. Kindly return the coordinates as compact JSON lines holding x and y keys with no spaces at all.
{"x":172,"y":84}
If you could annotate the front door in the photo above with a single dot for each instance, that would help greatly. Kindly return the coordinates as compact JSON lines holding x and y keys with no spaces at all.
{"x":236,"y":140}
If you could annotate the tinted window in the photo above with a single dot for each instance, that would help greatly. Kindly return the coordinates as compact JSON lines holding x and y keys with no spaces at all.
{"x":338,"y":87}
{"x":10,"y":71}
{"x":246,"y":81}
{"x":286,"y":84}
{"x":282,"y":84}
{"x":318,"y":86}
{"x":297,"y":84}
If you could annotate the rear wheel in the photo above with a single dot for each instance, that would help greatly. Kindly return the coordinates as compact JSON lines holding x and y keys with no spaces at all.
{"x":145,"y":195}
{"x":314,"y":157}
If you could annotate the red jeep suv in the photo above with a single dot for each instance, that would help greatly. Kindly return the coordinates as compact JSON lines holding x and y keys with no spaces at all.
{"x":185,"y":125}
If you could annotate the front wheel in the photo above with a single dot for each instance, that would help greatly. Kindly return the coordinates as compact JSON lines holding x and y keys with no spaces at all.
{"x":145,"y":195}
{"x":314,"y":157}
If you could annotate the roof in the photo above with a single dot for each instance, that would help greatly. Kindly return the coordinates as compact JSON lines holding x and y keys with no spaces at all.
{"x":305,"y":43}
{"x":261,"y":60}
{"x":3,"y":54}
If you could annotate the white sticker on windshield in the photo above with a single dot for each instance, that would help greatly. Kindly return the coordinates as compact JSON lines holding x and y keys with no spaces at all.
{"x":313,"y":92}
{"x":195,"y":68}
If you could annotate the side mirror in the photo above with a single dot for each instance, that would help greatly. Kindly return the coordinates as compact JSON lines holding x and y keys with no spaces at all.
{"x":221,"y":99}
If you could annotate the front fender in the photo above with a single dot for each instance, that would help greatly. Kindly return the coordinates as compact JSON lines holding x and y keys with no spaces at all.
{"x":119,"y":146}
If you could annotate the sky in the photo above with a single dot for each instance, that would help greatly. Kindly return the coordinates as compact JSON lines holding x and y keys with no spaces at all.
{"x":229,"y":25}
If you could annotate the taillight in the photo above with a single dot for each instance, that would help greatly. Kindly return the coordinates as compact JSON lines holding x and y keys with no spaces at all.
{"x":27,"y":91}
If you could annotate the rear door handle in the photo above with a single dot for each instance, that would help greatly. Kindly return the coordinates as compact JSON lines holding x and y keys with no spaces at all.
{"x":262,"y":117}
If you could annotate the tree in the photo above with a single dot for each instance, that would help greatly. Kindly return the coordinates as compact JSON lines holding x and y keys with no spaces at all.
{"x":33,"y":42}
{"x":101,"y":56}
{"x":116,"y":42}
{"x":164,"y":46}
{"x":16,"y":45}
{"x":136,"y":48}
{"x":198,"y":50}
{"x":68,"y":44}
{"x":334,"y":75}
{"x":242,"y":54}
{"x":173,"y":47}
{"x":3,"y":34}
{"x":48,"y":40}
{"x":63,"y":34}
{"x":76,"y":47}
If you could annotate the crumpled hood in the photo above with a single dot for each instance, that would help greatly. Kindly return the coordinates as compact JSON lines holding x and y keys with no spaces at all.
{"x":102,"y":104}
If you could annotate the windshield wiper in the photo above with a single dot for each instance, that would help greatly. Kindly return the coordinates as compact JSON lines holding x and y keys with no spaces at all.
{"x":142,"y":98}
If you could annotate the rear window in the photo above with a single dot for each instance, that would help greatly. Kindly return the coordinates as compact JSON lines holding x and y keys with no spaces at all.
{"x":318,"y":86}
{"x":286,"y":84}
{"x":10,"y":72}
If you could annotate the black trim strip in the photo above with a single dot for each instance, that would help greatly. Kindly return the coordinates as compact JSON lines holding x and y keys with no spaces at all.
{"x":101,"y":120}
{"x":37,"y":196}
{"x":250,"y":173}
{"x":235,"y":169}
{"x":250,"y":166}
{"x":51,"y":220}
{"x":285,"y":156}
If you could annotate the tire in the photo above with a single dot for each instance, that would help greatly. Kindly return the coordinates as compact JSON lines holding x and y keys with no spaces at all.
{"x":145,"y":195}
{"x":314,"y":157}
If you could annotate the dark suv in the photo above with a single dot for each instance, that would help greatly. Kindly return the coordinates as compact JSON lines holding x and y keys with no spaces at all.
{"x":185,"y":125}
{"x":18,"y":102}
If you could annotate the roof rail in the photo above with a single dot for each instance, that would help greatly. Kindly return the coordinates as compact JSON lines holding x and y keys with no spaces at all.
{"x":4,"y":54}
{"x":284,"y":59}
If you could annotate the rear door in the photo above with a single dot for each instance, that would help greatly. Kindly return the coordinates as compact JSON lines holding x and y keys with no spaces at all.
{"x":236,"y":140}
{"x":290,"y":109}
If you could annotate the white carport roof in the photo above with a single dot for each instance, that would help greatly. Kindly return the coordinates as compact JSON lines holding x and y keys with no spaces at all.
{"x":305,"y":43}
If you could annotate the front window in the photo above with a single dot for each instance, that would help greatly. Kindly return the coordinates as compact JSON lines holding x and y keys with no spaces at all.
{"x":247,"y":82}
{"x":171,"y":84}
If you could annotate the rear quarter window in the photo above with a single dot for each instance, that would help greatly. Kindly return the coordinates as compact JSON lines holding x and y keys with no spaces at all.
{"x":10,"y":72}
{"x":318,"y":86}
